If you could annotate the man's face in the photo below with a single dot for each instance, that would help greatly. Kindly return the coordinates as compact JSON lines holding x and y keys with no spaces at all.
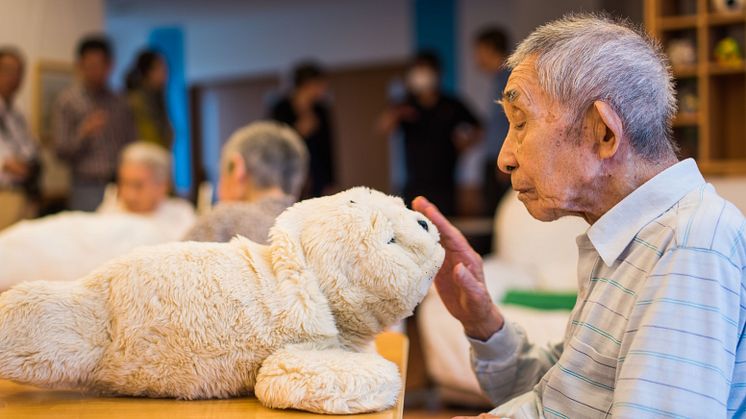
{"x":552,"y":157}
{"x":317,"y":89}
{"x":95,"y":67}
{"x":487,"y":59}
{"x":11,"y":75}
{"x":140,"y":190}
{"x":422,"y":79}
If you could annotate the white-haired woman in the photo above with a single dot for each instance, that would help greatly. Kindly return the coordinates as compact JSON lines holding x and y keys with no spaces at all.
{"x":263,"y":167}
{"x":143,"y":184}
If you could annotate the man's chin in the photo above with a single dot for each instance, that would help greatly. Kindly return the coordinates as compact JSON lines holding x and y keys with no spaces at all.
{"x":538,"y":212}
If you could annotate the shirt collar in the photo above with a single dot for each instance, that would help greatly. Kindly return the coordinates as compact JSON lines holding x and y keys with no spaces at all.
{"x":614,"y":231}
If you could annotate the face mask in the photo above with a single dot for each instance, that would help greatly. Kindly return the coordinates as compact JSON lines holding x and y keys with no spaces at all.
{"x":420,"y":80}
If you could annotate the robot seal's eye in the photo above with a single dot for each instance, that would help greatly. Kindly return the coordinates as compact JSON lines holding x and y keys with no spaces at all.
{"x":393,"y":240}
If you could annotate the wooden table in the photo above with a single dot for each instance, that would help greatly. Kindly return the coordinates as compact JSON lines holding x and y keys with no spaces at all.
{"x":19,"y":402}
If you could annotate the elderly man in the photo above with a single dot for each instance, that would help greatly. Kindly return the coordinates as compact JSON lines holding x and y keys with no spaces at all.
{"x":263,"y":168}
{"x":657,"y":327}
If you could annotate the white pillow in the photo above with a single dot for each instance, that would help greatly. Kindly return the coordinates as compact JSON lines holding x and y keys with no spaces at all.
{"x":546,"y":251}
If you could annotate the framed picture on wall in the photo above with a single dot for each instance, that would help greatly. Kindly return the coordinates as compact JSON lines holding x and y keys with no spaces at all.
{"x":51,"y":78}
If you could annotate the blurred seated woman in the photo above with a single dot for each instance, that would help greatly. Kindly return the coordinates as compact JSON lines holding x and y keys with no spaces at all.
{"x":68,"y":245}
{"x":262,"y":169}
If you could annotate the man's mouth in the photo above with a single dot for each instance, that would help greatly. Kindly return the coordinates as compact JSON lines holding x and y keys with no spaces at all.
{"x":524,"y":192}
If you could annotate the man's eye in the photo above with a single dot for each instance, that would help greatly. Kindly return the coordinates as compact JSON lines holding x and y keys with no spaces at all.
{"x":520,"y":126}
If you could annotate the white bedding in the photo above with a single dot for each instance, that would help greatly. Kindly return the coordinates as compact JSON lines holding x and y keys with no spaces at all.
{"x":69,"y":245}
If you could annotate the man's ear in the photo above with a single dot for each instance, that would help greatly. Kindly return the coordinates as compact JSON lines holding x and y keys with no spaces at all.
{"x":607,"y":129}
{"x":235,"y":167}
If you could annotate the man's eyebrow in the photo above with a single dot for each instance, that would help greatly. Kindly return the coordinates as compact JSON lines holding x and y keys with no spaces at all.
{"x":510,"y":96}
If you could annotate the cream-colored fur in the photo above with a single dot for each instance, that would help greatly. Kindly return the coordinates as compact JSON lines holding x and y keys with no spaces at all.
{"x":291,"y":321}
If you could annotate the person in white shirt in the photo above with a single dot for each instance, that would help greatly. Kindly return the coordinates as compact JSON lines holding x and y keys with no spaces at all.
{"x":18,"y":149}
{"x":143,"y":184}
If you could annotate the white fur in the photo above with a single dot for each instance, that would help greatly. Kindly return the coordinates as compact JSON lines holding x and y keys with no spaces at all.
{"x":290,"y":321}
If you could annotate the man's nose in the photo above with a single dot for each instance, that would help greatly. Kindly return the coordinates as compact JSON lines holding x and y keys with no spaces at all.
{"x":506,"y":160}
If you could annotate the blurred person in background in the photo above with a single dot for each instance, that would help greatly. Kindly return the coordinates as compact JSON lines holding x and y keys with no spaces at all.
{"x":306,"y":110}
{"x":491,"y":48}
{"x":143,"y":186}
{"x":19,"y":167}
{"x":91,"y":125}
{"x":263,"y":168}
{"x":146,"y":84}
{"x":436,"y":128}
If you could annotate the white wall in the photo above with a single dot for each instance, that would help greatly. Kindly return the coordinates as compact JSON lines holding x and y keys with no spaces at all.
{"x":226,"y":38}
{"x":46,"y":30}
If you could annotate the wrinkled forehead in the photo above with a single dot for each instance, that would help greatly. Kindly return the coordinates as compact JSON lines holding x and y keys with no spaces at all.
{"x":523,"y":85}
{"x":524,"y":90}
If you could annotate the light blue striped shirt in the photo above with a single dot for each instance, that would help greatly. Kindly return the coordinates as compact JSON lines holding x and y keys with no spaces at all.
{"x":658,"y":326}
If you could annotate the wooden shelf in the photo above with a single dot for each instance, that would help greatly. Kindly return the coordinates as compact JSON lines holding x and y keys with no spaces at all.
{"x":686,"y":120}
{"x":716,"y":134}
{"x":715,"y":69}
{"x":675,"y":23}
{"x":685,"y":71}
{"x":721,"y":19}
{"x":722,"y":70}
{"x":723,"y":167}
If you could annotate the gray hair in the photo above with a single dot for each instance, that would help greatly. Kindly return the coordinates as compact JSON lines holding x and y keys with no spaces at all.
{"x":155,"y":157}
{"x":273,"y":153}
{"x":582,"y":58}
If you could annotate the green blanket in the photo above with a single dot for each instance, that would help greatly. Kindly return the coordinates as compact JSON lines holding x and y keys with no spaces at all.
{"x":541,"y":300}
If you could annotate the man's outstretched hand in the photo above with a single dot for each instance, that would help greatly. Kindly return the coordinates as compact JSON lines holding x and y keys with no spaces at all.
{"x":460,"y":281}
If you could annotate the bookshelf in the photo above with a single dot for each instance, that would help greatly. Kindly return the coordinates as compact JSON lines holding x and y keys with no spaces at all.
{"x":711,"y":126}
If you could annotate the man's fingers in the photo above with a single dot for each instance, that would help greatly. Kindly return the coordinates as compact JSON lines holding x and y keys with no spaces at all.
{"x":450,"y":234}
{"x":467,"y":281}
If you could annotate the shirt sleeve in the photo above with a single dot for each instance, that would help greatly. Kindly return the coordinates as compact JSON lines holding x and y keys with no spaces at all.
{"x":507,"y":364}
{"x":28,"y":142}
{"x":678,"y":354}
{"x":129,"y":124}
{"x":282,"y":111}
{"x":67,"y":143}
{"x":466,"y":116}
